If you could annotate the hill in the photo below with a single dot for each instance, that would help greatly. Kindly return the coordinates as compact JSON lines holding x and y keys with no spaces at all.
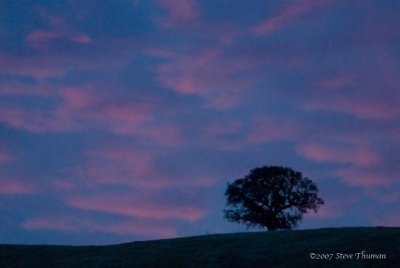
{"x":260,"y":249}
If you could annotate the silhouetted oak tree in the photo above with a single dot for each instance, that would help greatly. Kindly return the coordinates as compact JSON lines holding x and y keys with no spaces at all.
{"x":272,"y":197}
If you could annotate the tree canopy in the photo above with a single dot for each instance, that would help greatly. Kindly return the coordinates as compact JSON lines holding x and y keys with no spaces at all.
{"x":271,"y":196}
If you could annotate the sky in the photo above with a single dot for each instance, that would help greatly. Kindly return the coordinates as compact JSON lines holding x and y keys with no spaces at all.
{"x":125,"y":120}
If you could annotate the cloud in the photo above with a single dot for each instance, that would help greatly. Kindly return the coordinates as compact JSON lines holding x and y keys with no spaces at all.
{"x":367,"y":176}
{"x":364,"y":107}
{"x":390,"y":198}
{"x":35,"y":121}
{"x":89,"y":107}
{"x":136,"y":206}
{"x":359,"y":166}
{"x":232,"y":134}
{"x":288,"y":15}
{"x":225,"y":134}
{"x":268,"y":129}
{"x":83,"y":108}
{"x":38,"y":37}
{"x":323,"y":153}
{"x":180,"y":12}
{"x":134,"y":167}
{"x":14,"y":187}
{"x":49,"y":223}
{"x":158,"y":52}
{"x":337,"y":82}
{"x":57,"y":49}
{"x":56,"y":29}
{"x":367,"y":91}
{"x":5,"y":157}
{"x":42,"y":35}
{"x":139,"y":227}
{"x":148,"y":228}
{"x":120,"y":116}
{"x":209,"y":75}
{"x":43,"y":66}
{"x":13,"y":88}
{"x":64,"y":185}
{"x":117,"y":165}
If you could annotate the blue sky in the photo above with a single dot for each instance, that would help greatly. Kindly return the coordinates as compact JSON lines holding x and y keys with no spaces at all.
{"x":125,"y":120}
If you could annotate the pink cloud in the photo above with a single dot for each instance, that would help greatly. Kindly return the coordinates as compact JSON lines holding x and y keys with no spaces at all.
{"x":50,"y":224}
{"x":154,"y":229}
{"x":35,"y":121}
{"x":163,"y":134}
{"x":35,"y":66}
{"x":18,"y":89}
{"x":113,"y":173}
{"x":42,"y":36}
{"x":121,"y":117}
{"x":367,"y":92}
{"x":390,"y":198}
{"x":132,"y":162}
{"x":74,"y":52}
{"x":180,"y":12}
{"x":14,"y":187}
{"x":82,"y":38}
{"x":58,"y":48}
{"x":361,"y":166}
{"x":134,"y":206}
{"x":222,"y":128}
{"x":57,"y":29}
{"x":158,"y":52}
{"x":337,"y":82}
{"x":288,"y":15}
{"x":267,"y":129}
{"x":4,"y":157}
{"x":82,"y":108}
{"x":159,"y":230}
{"x":234,"y":135}
{"x":133,"y":167}
{"x":324,"y":153}
{"x":366,"y":176}
{"x":210,"y":75}
{"x":365,"y":107}
{"x":225,"y":134}
{"x":62,"y":184}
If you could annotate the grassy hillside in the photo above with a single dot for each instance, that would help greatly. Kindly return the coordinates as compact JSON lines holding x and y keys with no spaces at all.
{"x":266,"y":249}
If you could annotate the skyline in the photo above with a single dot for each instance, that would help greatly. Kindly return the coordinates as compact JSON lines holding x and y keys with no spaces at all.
{"x":125,"y":120}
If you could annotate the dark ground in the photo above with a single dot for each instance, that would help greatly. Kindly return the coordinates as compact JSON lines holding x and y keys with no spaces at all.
{"x":261,"y":249}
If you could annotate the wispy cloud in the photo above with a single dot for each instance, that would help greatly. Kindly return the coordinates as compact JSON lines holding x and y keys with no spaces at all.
{"x":323,"y":153}
{"x":180,"y":12}
{"x":134,"y":206}
{"x":209,"y":75}
{"x":4,"y":157}
{"x":288,"y":15}
{"x":268,"y":129}
{"x":149,"y":229}
{"x":10,"y":186}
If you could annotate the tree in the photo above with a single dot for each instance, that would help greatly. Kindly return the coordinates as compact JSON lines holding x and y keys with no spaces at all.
{"x":272,"y":197}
